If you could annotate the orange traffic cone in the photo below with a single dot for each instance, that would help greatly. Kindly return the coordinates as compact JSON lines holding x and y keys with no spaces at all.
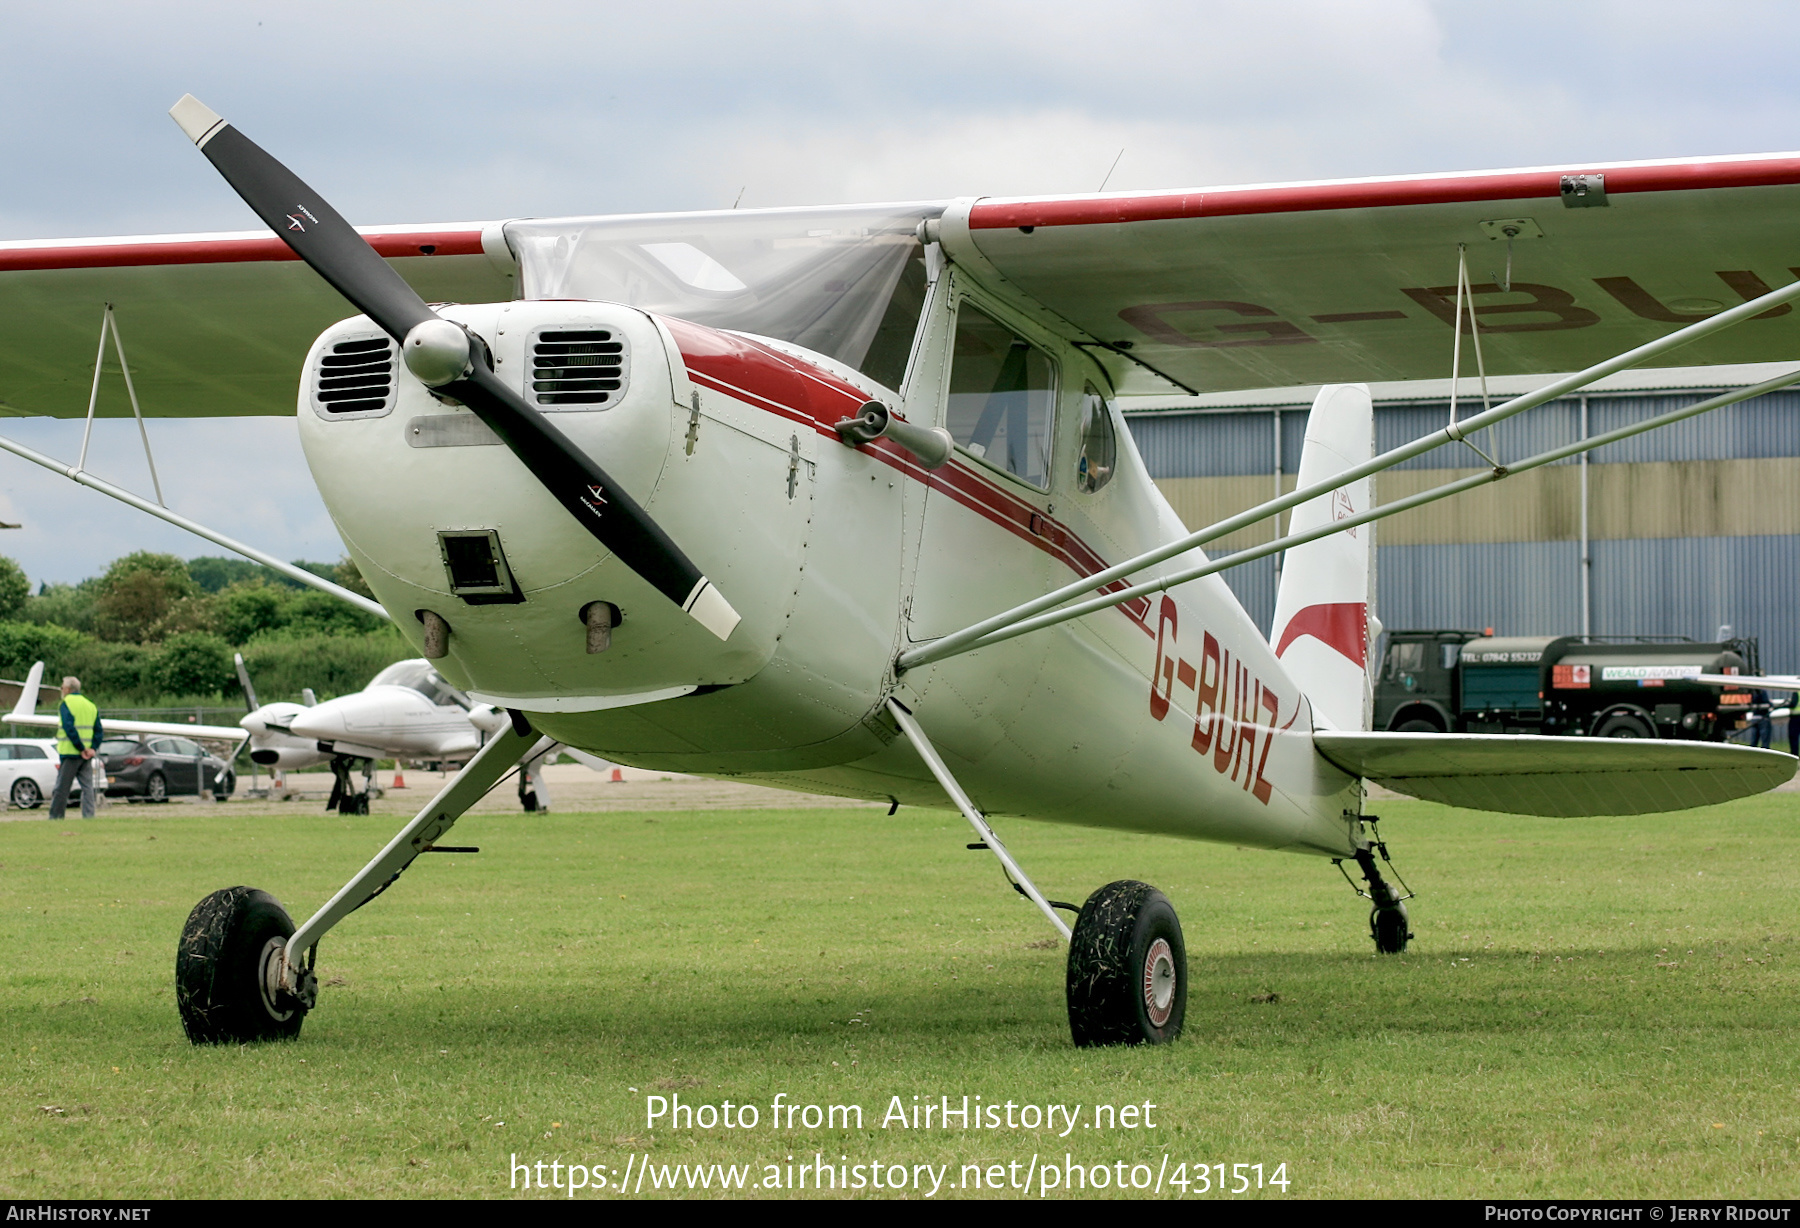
{"x":399,"y":780}
{"x":618,"y":777}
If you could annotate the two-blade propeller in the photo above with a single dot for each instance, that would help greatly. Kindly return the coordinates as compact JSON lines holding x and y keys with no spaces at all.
{"x":447,"y":359}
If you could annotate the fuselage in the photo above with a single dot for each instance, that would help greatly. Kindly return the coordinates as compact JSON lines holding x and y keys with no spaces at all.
{"x":404,"y":713}
{"x":1170,"y":715}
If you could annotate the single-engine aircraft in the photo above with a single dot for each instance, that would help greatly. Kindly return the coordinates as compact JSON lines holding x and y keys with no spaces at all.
{"x":407,"y":711}
{"x":840,"y":499}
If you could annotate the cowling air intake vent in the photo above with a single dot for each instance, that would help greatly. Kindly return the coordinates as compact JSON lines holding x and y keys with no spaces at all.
{"x":355,"y":378}
{"x":577,"y":368}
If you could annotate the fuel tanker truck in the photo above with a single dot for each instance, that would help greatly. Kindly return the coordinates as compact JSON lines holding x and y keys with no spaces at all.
{"x":1578,"y":686}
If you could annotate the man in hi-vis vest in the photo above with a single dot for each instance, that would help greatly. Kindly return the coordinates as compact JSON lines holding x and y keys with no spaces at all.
{"x":76,"y":740}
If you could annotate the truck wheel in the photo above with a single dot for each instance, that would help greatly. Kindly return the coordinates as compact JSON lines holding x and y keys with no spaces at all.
{"x":1624,"y":725}
{"x":1417,"y":725}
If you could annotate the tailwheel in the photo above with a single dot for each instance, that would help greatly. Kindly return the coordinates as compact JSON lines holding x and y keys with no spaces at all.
{"x":1127,"y":968}
{"x":227,"y":970}
{"x":1391,"y":928}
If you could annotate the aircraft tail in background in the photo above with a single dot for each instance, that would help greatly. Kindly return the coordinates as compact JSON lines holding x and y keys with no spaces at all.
{"x":1324,"y":623}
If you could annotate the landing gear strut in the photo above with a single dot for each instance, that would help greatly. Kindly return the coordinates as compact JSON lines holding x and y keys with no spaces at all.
{"x":1389,"y":924}
{"x":1127,"y":973}
{"x":243,"y":972}
{"x":345,"y":798}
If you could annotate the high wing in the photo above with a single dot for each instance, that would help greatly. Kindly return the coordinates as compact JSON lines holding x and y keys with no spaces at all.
{"x":1562,"y":777}
{"x":1214,"y":288}
{"x":1354,"y":280}
{"x":213,"y":324}
{"x":25,"y":713}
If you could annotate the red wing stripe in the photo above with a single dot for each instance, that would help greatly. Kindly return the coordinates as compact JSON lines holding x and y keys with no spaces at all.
{"x":225,"y":250}
{"x":1423,"y":190}
{"x":1342,"y":626}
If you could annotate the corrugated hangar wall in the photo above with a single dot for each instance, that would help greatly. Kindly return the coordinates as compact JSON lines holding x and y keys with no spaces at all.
{"x":1689,"y":527}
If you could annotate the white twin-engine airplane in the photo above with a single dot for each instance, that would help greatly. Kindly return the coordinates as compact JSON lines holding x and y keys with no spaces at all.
{"x":840,"y":499}
{"x":407,"y":711}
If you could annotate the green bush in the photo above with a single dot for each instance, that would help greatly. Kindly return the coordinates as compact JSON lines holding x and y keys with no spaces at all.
{"x":281,"y":665}
{"x":192,"y":663}
{"x":66,"y":605}
{"x":15,"y":589}
{"x":57,"y":647}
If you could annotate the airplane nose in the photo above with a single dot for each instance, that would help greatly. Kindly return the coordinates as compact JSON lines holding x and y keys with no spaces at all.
{"x":325,"y":723}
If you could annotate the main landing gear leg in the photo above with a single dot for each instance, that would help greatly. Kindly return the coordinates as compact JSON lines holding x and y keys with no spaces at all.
{"x":244,"y":973}
{"x":344,"y":798}
{"x":1127,"y":973}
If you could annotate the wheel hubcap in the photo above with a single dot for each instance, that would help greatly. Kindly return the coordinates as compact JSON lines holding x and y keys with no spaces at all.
{"x":1159,"y":982}
{"x":270,"y":980}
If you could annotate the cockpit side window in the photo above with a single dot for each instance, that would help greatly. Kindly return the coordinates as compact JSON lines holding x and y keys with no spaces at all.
{"x":1002,"y":404}
{"x":1099,"y":449}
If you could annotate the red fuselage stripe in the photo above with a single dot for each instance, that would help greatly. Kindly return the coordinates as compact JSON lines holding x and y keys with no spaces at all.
{"x":955,"y":480}
{"x":223,"y":251}
{"x":1459,"y":189}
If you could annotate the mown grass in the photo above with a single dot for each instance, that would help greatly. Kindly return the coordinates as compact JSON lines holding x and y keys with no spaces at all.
{"x":1597,"y":1008}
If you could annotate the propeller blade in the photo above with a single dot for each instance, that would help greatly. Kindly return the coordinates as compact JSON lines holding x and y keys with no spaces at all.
{"x":444,"y":357}
{"x":243,"y":673}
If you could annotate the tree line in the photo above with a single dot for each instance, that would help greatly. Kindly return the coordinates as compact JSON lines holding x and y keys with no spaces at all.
{"x":153,"y":630}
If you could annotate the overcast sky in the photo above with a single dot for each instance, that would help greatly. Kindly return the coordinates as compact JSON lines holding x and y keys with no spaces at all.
{"x":403,"y":112}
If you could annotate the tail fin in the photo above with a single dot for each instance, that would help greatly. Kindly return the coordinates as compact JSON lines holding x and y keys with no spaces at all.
{"x":28,"y":694}
{"x":1324,"y":609}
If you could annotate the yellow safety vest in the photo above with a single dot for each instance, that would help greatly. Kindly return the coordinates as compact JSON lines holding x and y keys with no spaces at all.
{"x":85,"y":714}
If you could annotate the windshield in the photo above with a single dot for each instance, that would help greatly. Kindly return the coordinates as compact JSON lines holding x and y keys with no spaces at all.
{"x":117,"y":746}
{"x":419,"y":676}
{"x":846,"y":282}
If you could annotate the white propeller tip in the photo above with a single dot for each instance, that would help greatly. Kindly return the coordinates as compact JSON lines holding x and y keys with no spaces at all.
{"x":198,"y":120}
{"x":708,"y":607}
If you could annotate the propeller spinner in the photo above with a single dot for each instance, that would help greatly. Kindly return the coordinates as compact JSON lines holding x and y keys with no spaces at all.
{"x":445,"y":358}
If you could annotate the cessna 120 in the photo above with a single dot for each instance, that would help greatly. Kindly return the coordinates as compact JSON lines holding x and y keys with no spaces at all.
{"x":840,"y":500}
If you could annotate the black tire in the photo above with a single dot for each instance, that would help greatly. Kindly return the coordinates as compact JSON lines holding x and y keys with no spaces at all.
{"x":26,"y":795}
{"x":1624,"y":725}
{"x":1391,"y":928}
{"x":1128,"y":969}
{"x":225,"y":786}
{"x":1417,"y":725}
{"x":156,"y":789}
{"x":220,"y":986}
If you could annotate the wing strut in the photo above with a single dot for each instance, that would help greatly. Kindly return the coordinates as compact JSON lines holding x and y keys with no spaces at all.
{"x":1014,"y":620}
{"x":76,"y":473}
{"x":1023,"y":626}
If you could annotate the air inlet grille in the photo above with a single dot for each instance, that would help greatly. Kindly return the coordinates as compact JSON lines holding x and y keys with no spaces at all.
{"x":585,"y":366}
{"x":356,"y":377}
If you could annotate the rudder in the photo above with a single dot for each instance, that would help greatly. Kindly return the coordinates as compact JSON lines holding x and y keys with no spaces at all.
{"x":1324,"y":609}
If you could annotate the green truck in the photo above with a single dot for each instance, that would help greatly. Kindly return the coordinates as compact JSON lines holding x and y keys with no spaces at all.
{"x":1577,"y":686}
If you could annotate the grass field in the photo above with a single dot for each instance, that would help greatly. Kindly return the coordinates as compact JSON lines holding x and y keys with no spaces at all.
{"x":1600,"y":1008}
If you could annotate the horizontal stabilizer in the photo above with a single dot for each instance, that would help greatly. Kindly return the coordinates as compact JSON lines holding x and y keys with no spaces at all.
{"x":1562,"y":777}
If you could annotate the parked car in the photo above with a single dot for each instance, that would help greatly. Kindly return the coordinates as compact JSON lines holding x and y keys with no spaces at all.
{"x":156,"y":768}
{"x":28,"y":772}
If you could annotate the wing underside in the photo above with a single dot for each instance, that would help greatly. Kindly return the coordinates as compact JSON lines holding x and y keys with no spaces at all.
{"x":1561,"y":777}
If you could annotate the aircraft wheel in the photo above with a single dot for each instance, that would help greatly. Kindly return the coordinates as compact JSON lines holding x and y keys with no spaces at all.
{"x":1127,"y":968}
{"x":224,"y":970}
{"x":1391,"y":928}
{"x":225,"y":786}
